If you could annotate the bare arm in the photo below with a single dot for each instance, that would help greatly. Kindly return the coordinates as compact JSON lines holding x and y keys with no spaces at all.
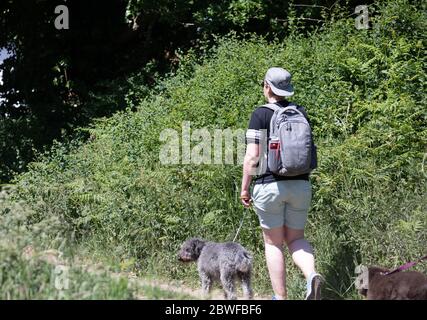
{"x":249,"y":165}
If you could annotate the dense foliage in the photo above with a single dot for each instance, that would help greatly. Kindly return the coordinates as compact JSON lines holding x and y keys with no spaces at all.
{"x":56,"y":80}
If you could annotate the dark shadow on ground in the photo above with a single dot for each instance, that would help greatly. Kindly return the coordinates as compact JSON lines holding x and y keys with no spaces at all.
{"x":340,"y":276}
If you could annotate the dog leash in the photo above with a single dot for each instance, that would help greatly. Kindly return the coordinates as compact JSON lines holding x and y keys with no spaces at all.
{"x":406,"y":266}
{"x":241,"y":223}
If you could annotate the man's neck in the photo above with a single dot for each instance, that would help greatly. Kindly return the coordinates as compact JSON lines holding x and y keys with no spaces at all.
{"x":274,"y":100}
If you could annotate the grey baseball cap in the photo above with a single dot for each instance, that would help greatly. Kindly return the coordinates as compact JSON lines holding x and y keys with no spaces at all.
{"x":279,"y":81}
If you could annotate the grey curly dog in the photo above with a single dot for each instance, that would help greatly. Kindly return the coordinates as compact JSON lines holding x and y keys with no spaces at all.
{"x":225,"y":262}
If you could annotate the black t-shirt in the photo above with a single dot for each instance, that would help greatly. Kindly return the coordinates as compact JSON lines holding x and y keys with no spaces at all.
{"x":260,"y":120}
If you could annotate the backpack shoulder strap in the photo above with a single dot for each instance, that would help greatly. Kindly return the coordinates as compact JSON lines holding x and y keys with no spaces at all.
{"x":275,"y":108}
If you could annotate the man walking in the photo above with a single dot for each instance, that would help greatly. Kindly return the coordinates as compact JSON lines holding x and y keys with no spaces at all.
{"x":281,"y":202}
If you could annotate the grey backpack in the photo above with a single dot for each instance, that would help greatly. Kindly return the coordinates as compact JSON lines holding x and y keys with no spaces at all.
{"x":291,"y":150}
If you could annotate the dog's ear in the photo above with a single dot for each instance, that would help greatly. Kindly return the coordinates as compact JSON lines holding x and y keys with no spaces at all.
{"x":374,"y":270}
{"x":198,"y":245}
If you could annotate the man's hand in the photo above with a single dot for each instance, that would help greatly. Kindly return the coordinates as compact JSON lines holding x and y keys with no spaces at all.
{"x":245,"y":198}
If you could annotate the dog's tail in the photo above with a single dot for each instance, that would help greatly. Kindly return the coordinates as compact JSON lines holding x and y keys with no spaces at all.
{"x":244,"y":261}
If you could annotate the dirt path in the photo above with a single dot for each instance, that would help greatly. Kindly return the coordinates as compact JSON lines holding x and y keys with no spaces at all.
{"x":177,"y":288}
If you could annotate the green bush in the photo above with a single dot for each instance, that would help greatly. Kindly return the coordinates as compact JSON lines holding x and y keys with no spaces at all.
{"x":28,"y":271}
{"x":363,"y":90}
{"x":21,"y":279}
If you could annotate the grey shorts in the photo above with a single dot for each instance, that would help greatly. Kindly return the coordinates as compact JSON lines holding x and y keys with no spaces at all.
{"x":282,"y":203}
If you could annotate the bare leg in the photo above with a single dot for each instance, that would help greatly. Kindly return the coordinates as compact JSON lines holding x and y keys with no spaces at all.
{"x":274,"y":240}
{"x":301,"y":251}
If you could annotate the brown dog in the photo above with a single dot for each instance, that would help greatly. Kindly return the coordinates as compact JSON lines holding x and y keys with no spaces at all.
{"x":375,"y":285}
